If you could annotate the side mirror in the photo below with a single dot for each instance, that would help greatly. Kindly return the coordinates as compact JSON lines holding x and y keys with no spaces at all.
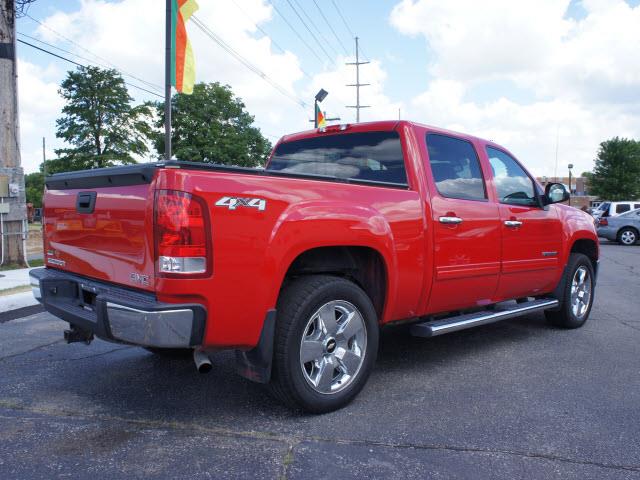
{"x":555,"y":193}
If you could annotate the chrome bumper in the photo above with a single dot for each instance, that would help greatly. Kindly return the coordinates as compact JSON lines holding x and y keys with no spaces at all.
{"x":116,"y":313}
{"x":162,"y":328}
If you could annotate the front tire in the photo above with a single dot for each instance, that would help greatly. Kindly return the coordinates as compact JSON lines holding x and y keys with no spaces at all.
{"x":576,"y":297}
{"x":627,"y":237}
{"x":325,"y":344}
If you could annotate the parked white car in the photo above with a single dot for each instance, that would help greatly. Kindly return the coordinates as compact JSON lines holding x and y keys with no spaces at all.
{"x":613,"y":209}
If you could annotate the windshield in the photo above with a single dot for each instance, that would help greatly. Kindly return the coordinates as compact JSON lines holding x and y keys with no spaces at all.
{"x":371,"y":156}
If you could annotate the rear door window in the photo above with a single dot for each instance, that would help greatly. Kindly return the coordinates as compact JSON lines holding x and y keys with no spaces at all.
{"x":623,"y":207}
{"x":455,"y":168}
{"x":369,"y":156}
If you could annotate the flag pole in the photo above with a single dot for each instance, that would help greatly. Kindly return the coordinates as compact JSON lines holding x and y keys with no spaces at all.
{"x":167,"y":84}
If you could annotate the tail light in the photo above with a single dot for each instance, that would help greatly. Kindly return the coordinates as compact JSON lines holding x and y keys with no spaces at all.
{"x":181,"y":230}
{"x":603,"y":222}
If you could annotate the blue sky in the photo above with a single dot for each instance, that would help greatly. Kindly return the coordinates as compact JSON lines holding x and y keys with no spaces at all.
{"x":520,"y":73}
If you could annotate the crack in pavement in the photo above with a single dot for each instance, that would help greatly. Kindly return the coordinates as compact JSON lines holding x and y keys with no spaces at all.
{"x":293,"y":440}
{"x":34,"y":349}
{"x":63,"y":360}
{"x":287,"y":460}
{"x":630,"y":268}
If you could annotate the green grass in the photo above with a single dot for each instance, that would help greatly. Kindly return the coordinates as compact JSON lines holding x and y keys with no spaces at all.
{"x":12,"y":290}
{"x":13,"y":266}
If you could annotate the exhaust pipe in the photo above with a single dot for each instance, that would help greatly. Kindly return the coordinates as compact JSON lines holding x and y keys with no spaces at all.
{"x":202,"y":361}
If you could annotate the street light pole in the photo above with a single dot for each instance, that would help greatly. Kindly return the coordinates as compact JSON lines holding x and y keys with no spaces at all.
{"x":570,"y":167}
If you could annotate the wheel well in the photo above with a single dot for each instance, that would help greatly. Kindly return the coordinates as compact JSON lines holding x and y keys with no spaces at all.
{"x":588,"y":248}
{"x":362,"y":265}
{"x":628,"y":227}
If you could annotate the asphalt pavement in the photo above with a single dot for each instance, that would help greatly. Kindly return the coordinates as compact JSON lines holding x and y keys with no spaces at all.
{"x":516,"y":399}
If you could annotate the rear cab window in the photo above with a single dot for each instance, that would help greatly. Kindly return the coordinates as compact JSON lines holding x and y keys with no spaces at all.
{"x":365,"y":156}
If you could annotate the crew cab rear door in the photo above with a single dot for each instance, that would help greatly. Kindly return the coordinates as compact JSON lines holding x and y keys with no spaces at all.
{"x":466,"y":226}
{"x":531,"y":234}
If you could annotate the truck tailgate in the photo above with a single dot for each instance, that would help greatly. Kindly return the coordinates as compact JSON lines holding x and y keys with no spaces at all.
{"x":103,"y":229}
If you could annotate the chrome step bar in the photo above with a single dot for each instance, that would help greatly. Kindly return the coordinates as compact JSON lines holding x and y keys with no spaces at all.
{"x":461,"y":322}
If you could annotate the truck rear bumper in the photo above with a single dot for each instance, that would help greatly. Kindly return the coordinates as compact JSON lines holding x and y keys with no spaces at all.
{"x":117,"y":313}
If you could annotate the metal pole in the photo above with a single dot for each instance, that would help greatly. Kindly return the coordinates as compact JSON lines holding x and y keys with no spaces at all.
{"x":167,"y":84}
{"x":357,"y":63}
{"x":569,"y":187}
{"x":315,"y":113}
{"x":357,"y":83}
{"x":44,"y":159}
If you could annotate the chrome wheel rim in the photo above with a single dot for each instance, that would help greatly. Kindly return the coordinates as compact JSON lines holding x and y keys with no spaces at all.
{"x":580,"y":292}
{"x":333,"y":347}
{"x":628,"y":237}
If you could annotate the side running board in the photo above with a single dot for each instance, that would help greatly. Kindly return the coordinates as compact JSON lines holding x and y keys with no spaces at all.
{"x":453,"y":324}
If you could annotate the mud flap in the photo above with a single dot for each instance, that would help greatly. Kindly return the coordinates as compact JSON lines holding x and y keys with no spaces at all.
{"x":255,"y":364}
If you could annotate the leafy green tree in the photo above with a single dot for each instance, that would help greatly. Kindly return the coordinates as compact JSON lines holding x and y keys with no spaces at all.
{"x":211,"y":125}
{"x":99,"y":122}
{"x":34,"y":186}
{"x":616,"y":175}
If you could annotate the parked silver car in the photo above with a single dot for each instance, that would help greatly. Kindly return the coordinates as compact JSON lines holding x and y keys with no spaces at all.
{"x":624,"y":229}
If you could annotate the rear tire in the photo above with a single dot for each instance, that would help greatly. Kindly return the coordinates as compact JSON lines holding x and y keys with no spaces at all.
{"x":325,"y":344}
{"x":627,"y":237}
{"x":576,"y":297}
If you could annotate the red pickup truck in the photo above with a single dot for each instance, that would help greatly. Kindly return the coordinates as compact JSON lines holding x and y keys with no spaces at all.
{"x":298,"y":265}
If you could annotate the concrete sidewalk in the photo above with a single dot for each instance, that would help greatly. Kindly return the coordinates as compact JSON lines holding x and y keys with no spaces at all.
{"x":11,"y":279}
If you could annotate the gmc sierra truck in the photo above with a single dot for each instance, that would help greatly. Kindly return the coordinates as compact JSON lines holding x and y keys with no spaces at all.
{"x":298,"y":265}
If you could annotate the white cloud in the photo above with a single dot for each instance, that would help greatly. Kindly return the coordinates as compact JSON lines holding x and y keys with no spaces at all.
{"x":581,"y":77}
{"x":39,"y":107}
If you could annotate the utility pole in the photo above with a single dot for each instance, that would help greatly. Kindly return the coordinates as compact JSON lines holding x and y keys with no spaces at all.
{"x":357,"y":63}
{"x":167,"y":81}
{"x":13,"y":212}
{"x":44,"y":158}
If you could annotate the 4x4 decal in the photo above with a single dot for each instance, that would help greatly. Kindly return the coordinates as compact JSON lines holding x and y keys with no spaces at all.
{"x":234,"y":202}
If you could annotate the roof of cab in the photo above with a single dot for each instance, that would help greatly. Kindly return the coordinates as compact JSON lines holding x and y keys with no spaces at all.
{"x":376,"y":126}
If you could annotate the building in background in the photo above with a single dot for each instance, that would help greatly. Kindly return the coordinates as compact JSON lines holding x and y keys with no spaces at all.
{"x":579,"y":190}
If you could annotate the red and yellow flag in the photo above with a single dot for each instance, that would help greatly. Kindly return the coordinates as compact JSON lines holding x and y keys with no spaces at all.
{"x":320,"y":120}
{"x":183,"y":67}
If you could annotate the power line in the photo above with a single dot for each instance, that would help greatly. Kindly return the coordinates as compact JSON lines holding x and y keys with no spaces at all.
{"x":331,"y":28}
{"x":313,"y":24}
{"x":282,"y":50}
{"x":255,"y":24}
{"x":83,"y":66}
{"x":309,"y":30}
{"x":343,"y":20}
{"x":67,"y":51}
{"x":294,"y":30}
{"x":225,"y":46}
{"x":111,"y":64}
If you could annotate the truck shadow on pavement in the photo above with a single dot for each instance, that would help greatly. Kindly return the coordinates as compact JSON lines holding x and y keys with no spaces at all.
{"x":118,"y":380}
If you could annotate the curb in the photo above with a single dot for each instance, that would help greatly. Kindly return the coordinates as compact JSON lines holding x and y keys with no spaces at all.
{"x":16,"y":301}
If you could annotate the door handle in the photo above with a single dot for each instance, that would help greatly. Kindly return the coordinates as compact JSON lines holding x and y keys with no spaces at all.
{"x":450,"y":220}
{"x":513,"y":223}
